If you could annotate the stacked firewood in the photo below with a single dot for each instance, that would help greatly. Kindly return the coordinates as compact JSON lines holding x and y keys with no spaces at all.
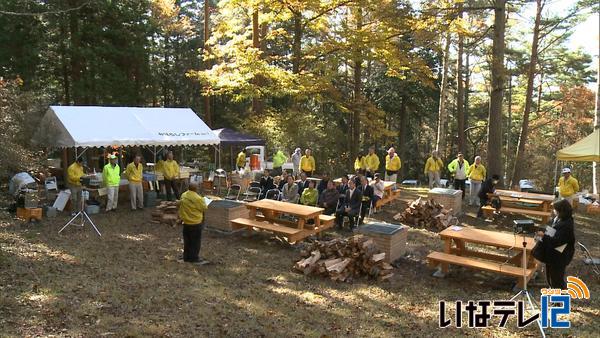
{"x":166,"y":213}
{"x":345,"y":259}
{"x":427,"y":214}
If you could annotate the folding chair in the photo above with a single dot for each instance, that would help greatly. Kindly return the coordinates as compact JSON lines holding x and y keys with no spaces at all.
{"x":273,"y":194}
{"x":233,"y":193}
{"x":252,"y":194}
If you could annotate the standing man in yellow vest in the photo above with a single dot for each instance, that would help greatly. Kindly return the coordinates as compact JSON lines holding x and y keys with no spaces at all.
{"x":74,"y":174}
{"x":307,"y":163}
{"x":278,"y":160}
{"x":191,"y":212}
{"x":433,"y":169}
{"x":111,"y":174}
{"x":171,"y":174}
{"x":134,"y":174}
{"x":568,"y":185}
{"x":392,"y":165}
{"x":477,"y":174}
{"x":240,"y":162}
{"x":371,"y":162}
{"x":459,"y":169}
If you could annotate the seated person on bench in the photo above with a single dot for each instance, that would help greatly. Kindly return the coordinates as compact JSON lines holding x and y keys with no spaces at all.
{"x":488,"y":187}
{"x":350,"y":206}
{"x":367,"y":197}
{"x":310,"y":195}
{"x":329,"y":198}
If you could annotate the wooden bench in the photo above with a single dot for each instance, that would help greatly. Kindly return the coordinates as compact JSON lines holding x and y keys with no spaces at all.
{"x":545,"y":215}
{"x":327,"y":221}
{"x":291,"y":234}
{"x":436,"y":257}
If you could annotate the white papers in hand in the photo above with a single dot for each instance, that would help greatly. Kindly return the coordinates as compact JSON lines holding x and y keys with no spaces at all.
{"x":207,"y":201}
{"x":561,"y":248}
{"x":550,"y":231}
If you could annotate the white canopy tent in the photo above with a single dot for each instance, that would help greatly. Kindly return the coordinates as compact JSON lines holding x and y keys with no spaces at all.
{"x":94,"y":126}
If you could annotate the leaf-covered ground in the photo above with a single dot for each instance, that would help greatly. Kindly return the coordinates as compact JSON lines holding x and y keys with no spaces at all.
{"x":129,"y":283}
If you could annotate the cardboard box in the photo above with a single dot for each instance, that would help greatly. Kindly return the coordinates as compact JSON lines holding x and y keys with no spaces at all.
{"x":27,"y":214}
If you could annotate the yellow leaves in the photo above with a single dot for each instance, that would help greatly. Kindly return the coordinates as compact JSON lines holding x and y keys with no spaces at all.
{"x":166,"y":14}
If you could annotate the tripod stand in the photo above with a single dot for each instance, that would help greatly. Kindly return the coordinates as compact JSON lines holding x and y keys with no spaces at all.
{"x":82,"y":215}
{"x":524,"y":293}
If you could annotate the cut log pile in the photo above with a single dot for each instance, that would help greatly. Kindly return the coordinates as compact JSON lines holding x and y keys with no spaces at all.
{"x":345,"y":259}
{"x":427,"y":214}
{"x":166,"y":213}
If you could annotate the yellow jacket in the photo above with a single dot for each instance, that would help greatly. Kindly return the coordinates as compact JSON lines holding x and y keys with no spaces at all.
{"x":433,"y":165}
{"x":393,"y":164}
{"x":191,"y":208}
{"x":134,"y":174}
{"x":371,"y":162}
{"x":359,"y":163}
{"x":159,"y":166}
{"x":111,"y":175}
{"x":307,"y":163}
{"x":476,"y":173}
{"x":241,"y":159}
{"x":568,"y":188}
{"x":74,"y":173}
{"x":170,"y":169}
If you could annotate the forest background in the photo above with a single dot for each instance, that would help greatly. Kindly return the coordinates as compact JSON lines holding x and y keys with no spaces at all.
{"x":492,"y":78}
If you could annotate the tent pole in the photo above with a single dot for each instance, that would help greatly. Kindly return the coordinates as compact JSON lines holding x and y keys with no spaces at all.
{"x":595,"y":169}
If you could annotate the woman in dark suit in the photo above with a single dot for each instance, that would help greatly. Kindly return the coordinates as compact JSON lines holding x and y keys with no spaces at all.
{"x":560,"y":247}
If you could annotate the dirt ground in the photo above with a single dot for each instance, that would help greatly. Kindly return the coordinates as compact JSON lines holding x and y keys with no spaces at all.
{"x":130,"y":283}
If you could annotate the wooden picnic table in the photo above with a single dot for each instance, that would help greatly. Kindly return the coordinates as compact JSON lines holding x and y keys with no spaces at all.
{"x":269,"y":219}
{"x":270,"y":209}
{"x":526,"y":203}
{"x":459,"y":254}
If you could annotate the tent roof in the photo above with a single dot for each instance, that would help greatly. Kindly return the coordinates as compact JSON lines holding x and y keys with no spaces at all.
{"x":232,"y":137}
{"x":94,"y":126}
{"x":587,"y":149}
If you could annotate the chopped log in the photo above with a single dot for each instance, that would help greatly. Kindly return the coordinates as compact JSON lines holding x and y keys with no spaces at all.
{"x":378,"y":257}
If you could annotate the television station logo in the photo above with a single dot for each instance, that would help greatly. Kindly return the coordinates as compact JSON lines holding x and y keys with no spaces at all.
{"x":553,"y":303}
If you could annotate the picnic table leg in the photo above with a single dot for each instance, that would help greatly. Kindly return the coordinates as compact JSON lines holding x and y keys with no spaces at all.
{"x":252,"y":213}
{"x":447,"y":248}
{"x":460,"y":246}
{"x":301,"y":223}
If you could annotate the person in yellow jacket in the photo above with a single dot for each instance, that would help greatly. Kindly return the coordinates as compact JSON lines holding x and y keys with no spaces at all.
{"x":191,"y":212}
{"x":568,"y":185}
{"x":240,"y":162}
{"x":476,"y":174}
{"x":111,"y":174}
{"x":371,"y":162}
{"x":307,"y":163}
{"x":134,"y":174}
{"x":459,"y":169}
{"x":171,"y":174}
{"x":74,"y":174}
{"x":359,"y":164}
{"x":433,"y":169}
{"x":279,"y":159}
{"x":392,"y":165}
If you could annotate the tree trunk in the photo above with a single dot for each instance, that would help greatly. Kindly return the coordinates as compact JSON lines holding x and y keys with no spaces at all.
{"x":509,"y":122}
{"x":595,"y":180}
{"x":494,"y":148}
{"x":520,"y":158}
{"x":64,"y":64}
{"x":257,"y":104}
{"x":440,"y":144}
{"x":207,"y":112}
{"x":460,"y":90}
{"x":358,"y":99}
{"x":403,"y":137}
{"x":297,"y":43}
{"x":76,"y":59}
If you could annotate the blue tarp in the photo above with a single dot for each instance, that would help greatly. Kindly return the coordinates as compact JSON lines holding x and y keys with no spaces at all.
{"x":230,"y":137}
